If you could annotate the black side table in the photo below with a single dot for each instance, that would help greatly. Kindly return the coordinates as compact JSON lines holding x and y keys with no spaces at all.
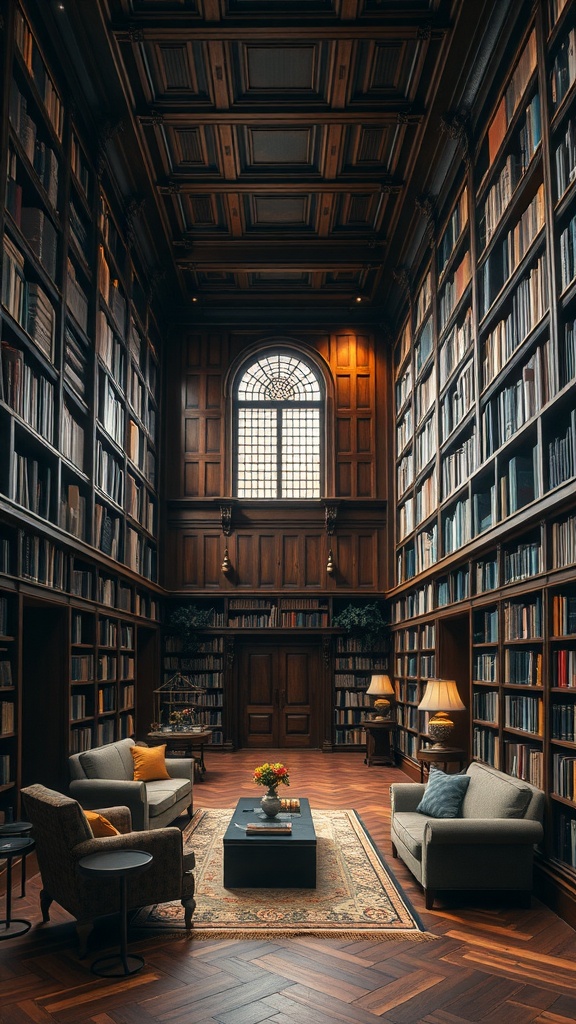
{"x":117,"y":864}
{"x":10,"y":848}
{"x":380,"y":741}
{"x":13,"y":829}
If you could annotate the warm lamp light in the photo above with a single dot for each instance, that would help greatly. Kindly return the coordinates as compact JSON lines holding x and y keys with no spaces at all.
{"x":380,"y":687}
{"x":441,"y":696}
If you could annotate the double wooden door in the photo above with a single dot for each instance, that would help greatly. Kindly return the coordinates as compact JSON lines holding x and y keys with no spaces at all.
{"x":279,"y":693}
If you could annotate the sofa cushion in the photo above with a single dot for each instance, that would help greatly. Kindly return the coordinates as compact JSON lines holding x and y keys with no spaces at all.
{"x":409,"y":827}
{"x":149,"y":763}
{"x":164,"y":793}
{"x":107,"y":762}
{"x":494,"y":795}
{"x":443,"y":795}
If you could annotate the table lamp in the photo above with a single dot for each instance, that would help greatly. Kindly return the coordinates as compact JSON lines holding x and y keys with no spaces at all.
{"x":381,"y":688}
{"x":441,"y":696}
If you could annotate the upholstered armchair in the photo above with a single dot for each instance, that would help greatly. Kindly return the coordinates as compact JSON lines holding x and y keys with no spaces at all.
{"x":489,"y":845}
{"x":63,"y":836}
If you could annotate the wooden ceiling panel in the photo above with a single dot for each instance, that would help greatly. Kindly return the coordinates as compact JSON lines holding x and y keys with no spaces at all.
{"x":278,"y":150}
{"x":176,"y":70}
{"x":257,"y":125}
{"x":294,"y":72}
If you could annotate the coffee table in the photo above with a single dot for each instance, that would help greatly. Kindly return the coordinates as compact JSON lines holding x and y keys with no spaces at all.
{"x":269,"y":861}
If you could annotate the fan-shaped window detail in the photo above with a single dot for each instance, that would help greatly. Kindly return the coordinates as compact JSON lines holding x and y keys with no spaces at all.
{"x":279,"y":407}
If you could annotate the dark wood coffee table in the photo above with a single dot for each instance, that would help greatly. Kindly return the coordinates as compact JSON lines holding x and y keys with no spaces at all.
{"x":269,"y":861}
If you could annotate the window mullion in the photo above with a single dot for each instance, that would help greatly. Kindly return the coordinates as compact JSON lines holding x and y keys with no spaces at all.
{"x":279,"y":452}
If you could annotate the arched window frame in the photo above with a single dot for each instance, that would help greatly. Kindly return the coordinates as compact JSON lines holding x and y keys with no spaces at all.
{"x":302,"y":359}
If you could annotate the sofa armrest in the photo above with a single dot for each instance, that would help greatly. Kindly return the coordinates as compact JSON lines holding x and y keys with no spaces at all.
{"x":489,"y":831}
{"x":180,"y":767}
{"x":405,"y":796}
{"x":94,"y":793}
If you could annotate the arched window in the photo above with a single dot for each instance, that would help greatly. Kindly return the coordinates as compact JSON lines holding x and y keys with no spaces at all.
{"x":279,"y":414}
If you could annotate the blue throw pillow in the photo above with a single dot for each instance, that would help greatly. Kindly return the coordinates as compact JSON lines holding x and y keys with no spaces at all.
{"x":443,"y":795}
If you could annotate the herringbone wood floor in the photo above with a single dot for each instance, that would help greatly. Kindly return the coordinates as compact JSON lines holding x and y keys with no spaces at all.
{"x":496,"y":964}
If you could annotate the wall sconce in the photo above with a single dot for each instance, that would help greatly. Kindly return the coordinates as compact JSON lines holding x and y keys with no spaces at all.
{"x":330,"y":567}
{"x":226,"y":563}
{"x":441,"y":696}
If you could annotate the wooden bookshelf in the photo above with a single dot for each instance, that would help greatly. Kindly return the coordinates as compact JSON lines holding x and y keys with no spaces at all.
{"x":485,"y":539}
{"x":80,"y":380}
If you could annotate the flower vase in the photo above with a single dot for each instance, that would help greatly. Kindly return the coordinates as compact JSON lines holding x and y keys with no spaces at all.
{"x":270,"y":803}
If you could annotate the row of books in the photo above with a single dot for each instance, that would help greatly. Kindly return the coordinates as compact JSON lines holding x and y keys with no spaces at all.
{"x":519,"y":482}
{"x":517,"y":402}
{"x":565,"y":158}
{"x":564,"y":668}
{"x":32,"y":484}
{"x":80,"y":739}
{"x":567,"y":247}
{"x":506,"y":256}
{"x":109,"y":474}
{"x":73,"y":511}
{"x":348,"y":716}
{"x":7,"y":719}
{"x":563,"y":615}
{"x":458,"y":465}
{"x":76,"y":363}
{"x":522,"y":668}
{"x":81,"y":668}
{"x":522,"y":621}
{"x":522,"y":562}
{"x":523,"y":761}
{"x":458,"y":400}
{"x":403,"y":387}
{"x":524,"y":713}
{"x":568,"y":353}
{"x":5,"y":672}
{"x":457,"y":526}
{"x":40,"y":154}
{"x":76,"y":298}
{"x":455,"y":346}
{"x":426,"y":446}
{"x":563,"y":721}
{"x":454,"y":289}
{"x":78,"y":706}
{"x":111,"y":350}
{"x":407,"y":716}
{"x":38,"y":72}
{"x":486,"y":575}
{"x":354,"y":698}
{"x":107,"y":667}
{"x":529,"y":303}
{"x":564,"y":775}
{"x":485,"y":705}
{"x":5,"y":769}
{"x":485,"y":668}
{"x":28,"y":392}
{"x":510,"y":100}
{"x":106,"y":699}
{"x":456,"y":223}
{"x":486,"y":626}
{"x":485,"y":746}
{"x":111,"y":412}
{"x":139,"y":504}
{"x":139,"y":554}
{"x":72,"y":438}
{"x":454,"y":587}
{"x":425,"y":395}
{"x":562,"y":455}
{"x":565,"y":838}
{"x":514,"y":167}
{"x":564,"y":68}
{"x":424,"y":345}
{"x":127,"y":694}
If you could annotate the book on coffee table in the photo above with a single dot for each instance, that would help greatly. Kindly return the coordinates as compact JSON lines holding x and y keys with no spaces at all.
{"x":264,"y":828}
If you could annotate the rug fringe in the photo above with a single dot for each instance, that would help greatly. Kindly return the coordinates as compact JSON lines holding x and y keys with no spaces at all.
{"x":378,"y":935}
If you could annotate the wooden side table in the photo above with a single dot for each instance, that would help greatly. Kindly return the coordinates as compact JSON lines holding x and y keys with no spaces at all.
{"x":186,"y":742}
{"x":449,"y":755}
{"x":380,"y":742}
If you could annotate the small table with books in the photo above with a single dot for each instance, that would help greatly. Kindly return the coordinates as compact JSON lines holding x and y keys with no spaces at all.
{"x":257,"y":855}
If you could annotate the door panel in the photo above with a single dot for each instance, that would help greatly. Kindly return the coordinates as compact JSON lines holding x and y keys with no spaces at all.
{"x":257,"y":675}
{"x":279,"y":689}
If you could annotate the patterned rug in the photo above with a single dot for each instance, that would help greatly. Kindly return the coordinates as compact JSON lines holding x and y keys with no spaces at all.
{"x":356,"y":896}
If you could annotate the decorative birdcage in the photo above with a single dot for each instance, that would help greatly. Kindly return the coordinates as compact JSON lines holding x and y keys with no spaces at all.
{"x":176,"y":703}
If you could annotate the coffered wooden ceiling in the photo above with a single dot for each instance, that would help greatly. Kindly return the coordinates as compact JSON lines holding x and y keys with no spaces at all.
{"x":278,"y":142}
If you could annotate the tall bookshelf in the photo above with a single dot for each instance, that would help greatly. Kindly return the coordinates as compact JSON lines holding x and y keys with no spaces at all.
{"x":80,"y":377}
{"x":484,"y":530}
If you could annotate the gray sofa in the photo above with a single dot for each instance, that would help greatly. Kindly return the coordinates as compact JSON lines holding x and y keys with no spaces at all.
{"x":490,"y":847}
{"x":104,"y":777}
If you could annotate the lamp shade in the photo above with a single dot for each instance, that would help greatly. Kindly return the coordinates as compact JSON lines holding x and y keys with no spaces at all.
{"x":441,"y":695}
{"x":380,"y":685}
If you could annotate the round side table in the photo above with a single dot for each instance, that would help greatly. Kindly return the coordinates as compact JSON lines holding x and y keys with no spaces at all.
{"x":14,"y":829}
{"x":117,"y":864}
{"x":9,"y":848}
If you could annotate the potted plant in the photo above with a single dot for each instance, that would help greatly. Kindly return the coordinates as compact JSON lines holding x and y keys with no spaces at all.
{"x":186,"y":622}
{"x":365,"y":623}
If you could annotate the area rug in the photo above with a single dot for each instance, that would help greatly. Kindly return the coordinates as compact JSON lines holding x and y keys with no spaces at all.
{"x":356,"y":897}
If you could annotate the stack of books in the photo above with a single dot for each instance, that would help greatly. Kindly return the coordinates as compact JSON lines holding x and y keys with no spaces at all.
{"x":268,"y":828}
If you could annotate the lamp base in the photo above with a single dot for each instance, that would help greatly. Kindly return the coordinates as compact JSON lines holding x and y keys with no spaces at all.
{"x":439,"y":729}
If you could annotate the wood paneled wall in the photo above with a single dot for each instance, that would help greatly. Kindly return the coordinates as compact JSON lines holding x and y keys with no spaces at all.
{"x":285,"y":545}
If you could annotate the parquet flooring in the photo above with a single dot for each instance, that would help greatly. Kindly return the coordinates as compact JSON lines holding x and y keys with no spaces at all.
{"x":493,"y":963}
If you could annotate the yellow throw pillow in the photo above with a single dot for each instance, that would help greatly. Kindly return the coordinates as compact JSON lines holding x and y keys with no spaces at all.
{"x":149,"y":763}
{"x":100,"y":825}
